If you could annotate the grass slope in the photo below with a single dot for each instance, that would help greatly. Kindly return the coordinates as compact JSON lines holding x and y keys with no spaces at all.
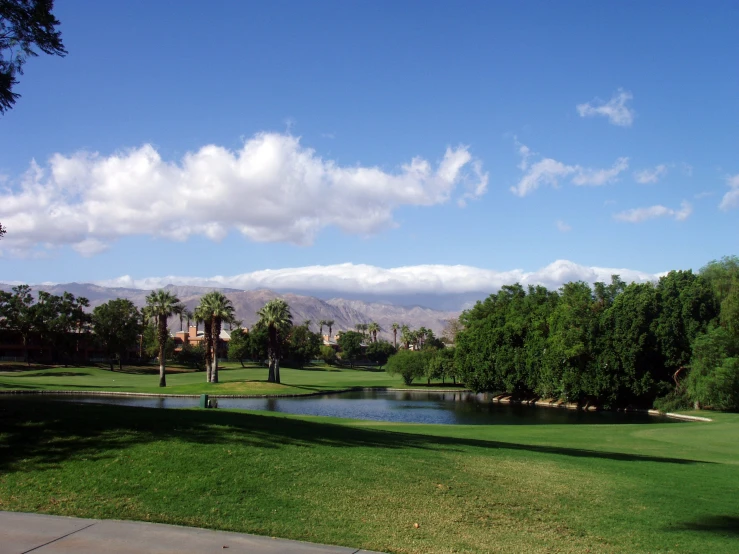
{"x":548,"y":488}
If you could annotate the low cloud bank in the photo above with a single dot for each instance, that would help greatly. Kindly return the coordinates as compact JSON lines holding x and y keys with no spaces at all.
{"x":420,"y":279}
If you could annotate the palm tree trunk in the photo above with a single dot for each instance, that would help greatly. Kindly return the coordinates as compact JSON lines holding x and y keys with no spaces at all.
{"x":277,"y":370}
{"x":395,"y":338}
{"x":216,"y":331}
{"x":162,"y":345}
{"x":271,"y":374}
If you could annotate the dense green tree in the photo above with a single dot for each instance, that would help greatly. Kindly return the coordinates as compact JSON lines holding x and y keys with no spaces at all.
{"x":327,"y":354}
{"x":303,"y":345}
{"x":350,"y":345}
{"x":19,"y":314}
{"x":116,"y":325}
{"x":275,"y":316}
{"x":192,"y":356}
{"x":713,"y":379}
{"x":25,"y":25}
{"x":686,"y":305}
{"x":162,"y":304}
{"x":379,"y":351}
{"x":409,"y":364}
{"x":238,"y":346}
{"x":627,"y":349}
{"x":440,"y":365}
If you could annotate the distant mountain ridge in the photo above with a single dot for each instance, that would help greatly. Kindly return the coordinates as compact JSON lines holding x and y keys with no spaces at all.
{"x":346,"y":314}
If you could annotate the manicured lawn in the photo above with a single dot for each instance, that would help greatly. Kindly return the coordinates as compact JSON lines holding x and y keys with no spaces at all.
{"x":523,"y":488}
{"x":233,"y":380}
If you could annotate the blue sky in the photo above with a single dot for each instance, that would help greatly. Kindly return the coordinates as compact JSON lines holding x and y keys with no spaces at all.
{"x":183,"y":140}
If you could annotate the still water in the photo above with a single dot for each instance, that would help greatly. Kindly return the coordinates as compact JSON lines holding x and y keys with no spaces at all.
{"x":407,"y":407}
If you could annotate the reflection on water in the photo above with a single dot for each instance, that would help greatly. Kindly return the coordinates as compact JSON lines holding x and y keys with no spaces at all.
{"x":403,"y":406}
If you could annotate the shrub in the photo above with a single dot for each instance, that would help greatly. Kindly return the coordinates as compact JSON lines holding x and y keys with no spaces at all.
{"x":408,"y":364}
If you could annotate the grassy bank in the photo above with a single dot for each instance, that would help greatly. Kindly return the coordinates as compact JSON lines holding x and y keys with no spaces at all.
{"x":535,"y":488}
{"x":233,"y":379}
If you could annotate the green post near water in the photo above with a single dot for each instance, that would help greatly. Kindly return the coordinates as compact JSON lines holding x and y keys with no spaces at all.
{"x":204,"y":401}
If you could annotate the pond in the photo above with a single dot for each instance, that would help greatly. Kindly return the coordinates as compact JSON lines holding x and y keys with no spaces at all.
{"x":398,"y":406}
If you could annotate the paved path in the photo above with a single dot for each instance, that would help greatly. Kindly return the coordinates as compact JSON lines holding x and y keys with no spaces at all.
{"x":41,"y":534}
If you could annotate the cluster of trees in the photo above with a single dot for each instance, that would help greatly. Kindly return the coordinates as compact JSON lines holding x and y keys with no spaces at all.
{"x":612,"y":344}
{"x":59,"y":323}
{"x":430,"y":363}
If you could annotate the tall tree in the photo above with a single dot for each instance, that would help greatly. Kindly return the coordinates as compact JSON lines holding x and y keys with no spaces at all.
{"x":373,"y":329}
{"x":220,"y":308}
{"x":276,"y":317}
{"x":19,"y":314}
{"x":321,"y":323}
{"x":116,"y":325}
{"x":330,"y":324}
{"x":24,"y":26}
{"x":162,"y":304}
{"x":202,"y":314}
{"x":395,"y":327}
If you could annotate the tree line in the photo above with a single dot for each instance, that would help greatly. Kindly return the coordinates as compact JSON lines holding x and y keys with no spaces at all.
{"x":612,"y":345}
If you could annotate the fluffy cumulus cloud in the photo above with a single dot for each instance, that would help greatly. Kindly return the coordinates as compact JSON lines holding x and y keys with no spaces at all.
{"x":616,"y":110}
{"x":271,"y":189}
{"x":548,"y":171}
{"x":637,"y":215}
{"x":650,"y":175}
{"x":419,"y":279}
{"x":731,"y":198}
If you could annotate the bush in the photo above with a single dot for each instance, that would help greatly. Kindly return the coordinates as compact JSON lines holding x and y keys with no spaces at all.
{"x":673,"y":401}
{"x":408,"y":364}
{"x":719,"y":387}
{"x":327,"y":354}
{"x":192,"y":356}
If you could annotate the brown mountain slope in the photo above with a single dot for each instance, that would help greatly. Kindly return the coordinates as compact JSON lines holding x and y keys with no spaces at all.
{"x":345,"y":313}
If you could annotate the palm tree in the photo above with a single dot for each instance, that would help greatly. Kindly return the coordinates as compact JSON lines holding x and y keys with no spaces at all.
{"x":321,"y":323}
{"x":219,"y":308}
{"x":329,"y":323}
{"x":405,"y":336}
{"x":276,"y":317}
{"x":189,"y":316}
{"x":201,"y":314}
{"x":395,"y":328}
{"x":181,"y":313}
{"x":374,"y":328}
{"x":162,"y":304}
{"x":307,"y":323}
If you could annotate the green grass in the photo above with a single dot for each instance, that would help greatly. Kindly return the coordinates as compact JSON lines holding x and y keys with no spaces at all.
{"x":523,"y":488}
{"x":233,"y":380}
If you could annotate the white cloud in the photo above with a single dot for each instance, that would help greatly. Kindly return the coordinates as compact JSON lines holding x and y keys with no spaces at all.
{"x":647,"y":176}
{"x":272,"y":189}
{"x":562,"y":226}
{"x":731,"y":198}
{"x":543,"y":172}
{"x":548,"y":171}
{"x":598,"y":177}
{"x":419,"y":279}
{"x":637,"y":215}
{"x":615,"y":109}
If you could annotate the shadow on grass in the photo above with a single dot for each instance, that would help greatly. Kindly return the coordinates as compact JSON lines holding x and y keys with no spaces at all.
{"x":721,"y":525}
{"x":38,"y":434}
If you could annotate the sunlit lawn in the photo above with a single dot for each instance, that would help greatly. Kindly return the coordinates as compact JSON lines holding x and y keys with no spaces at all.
{"x":522,"y":488}
{"x":233,"y":379}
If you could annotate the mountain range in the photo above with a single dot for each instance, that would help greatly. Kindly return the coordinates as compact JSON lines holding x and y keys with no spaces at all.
{"x":346,"y":314}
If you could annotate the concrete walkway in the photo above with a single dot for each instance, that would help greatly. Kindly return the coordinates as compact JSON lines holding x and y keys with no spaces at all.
{"x":42,"y":534}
